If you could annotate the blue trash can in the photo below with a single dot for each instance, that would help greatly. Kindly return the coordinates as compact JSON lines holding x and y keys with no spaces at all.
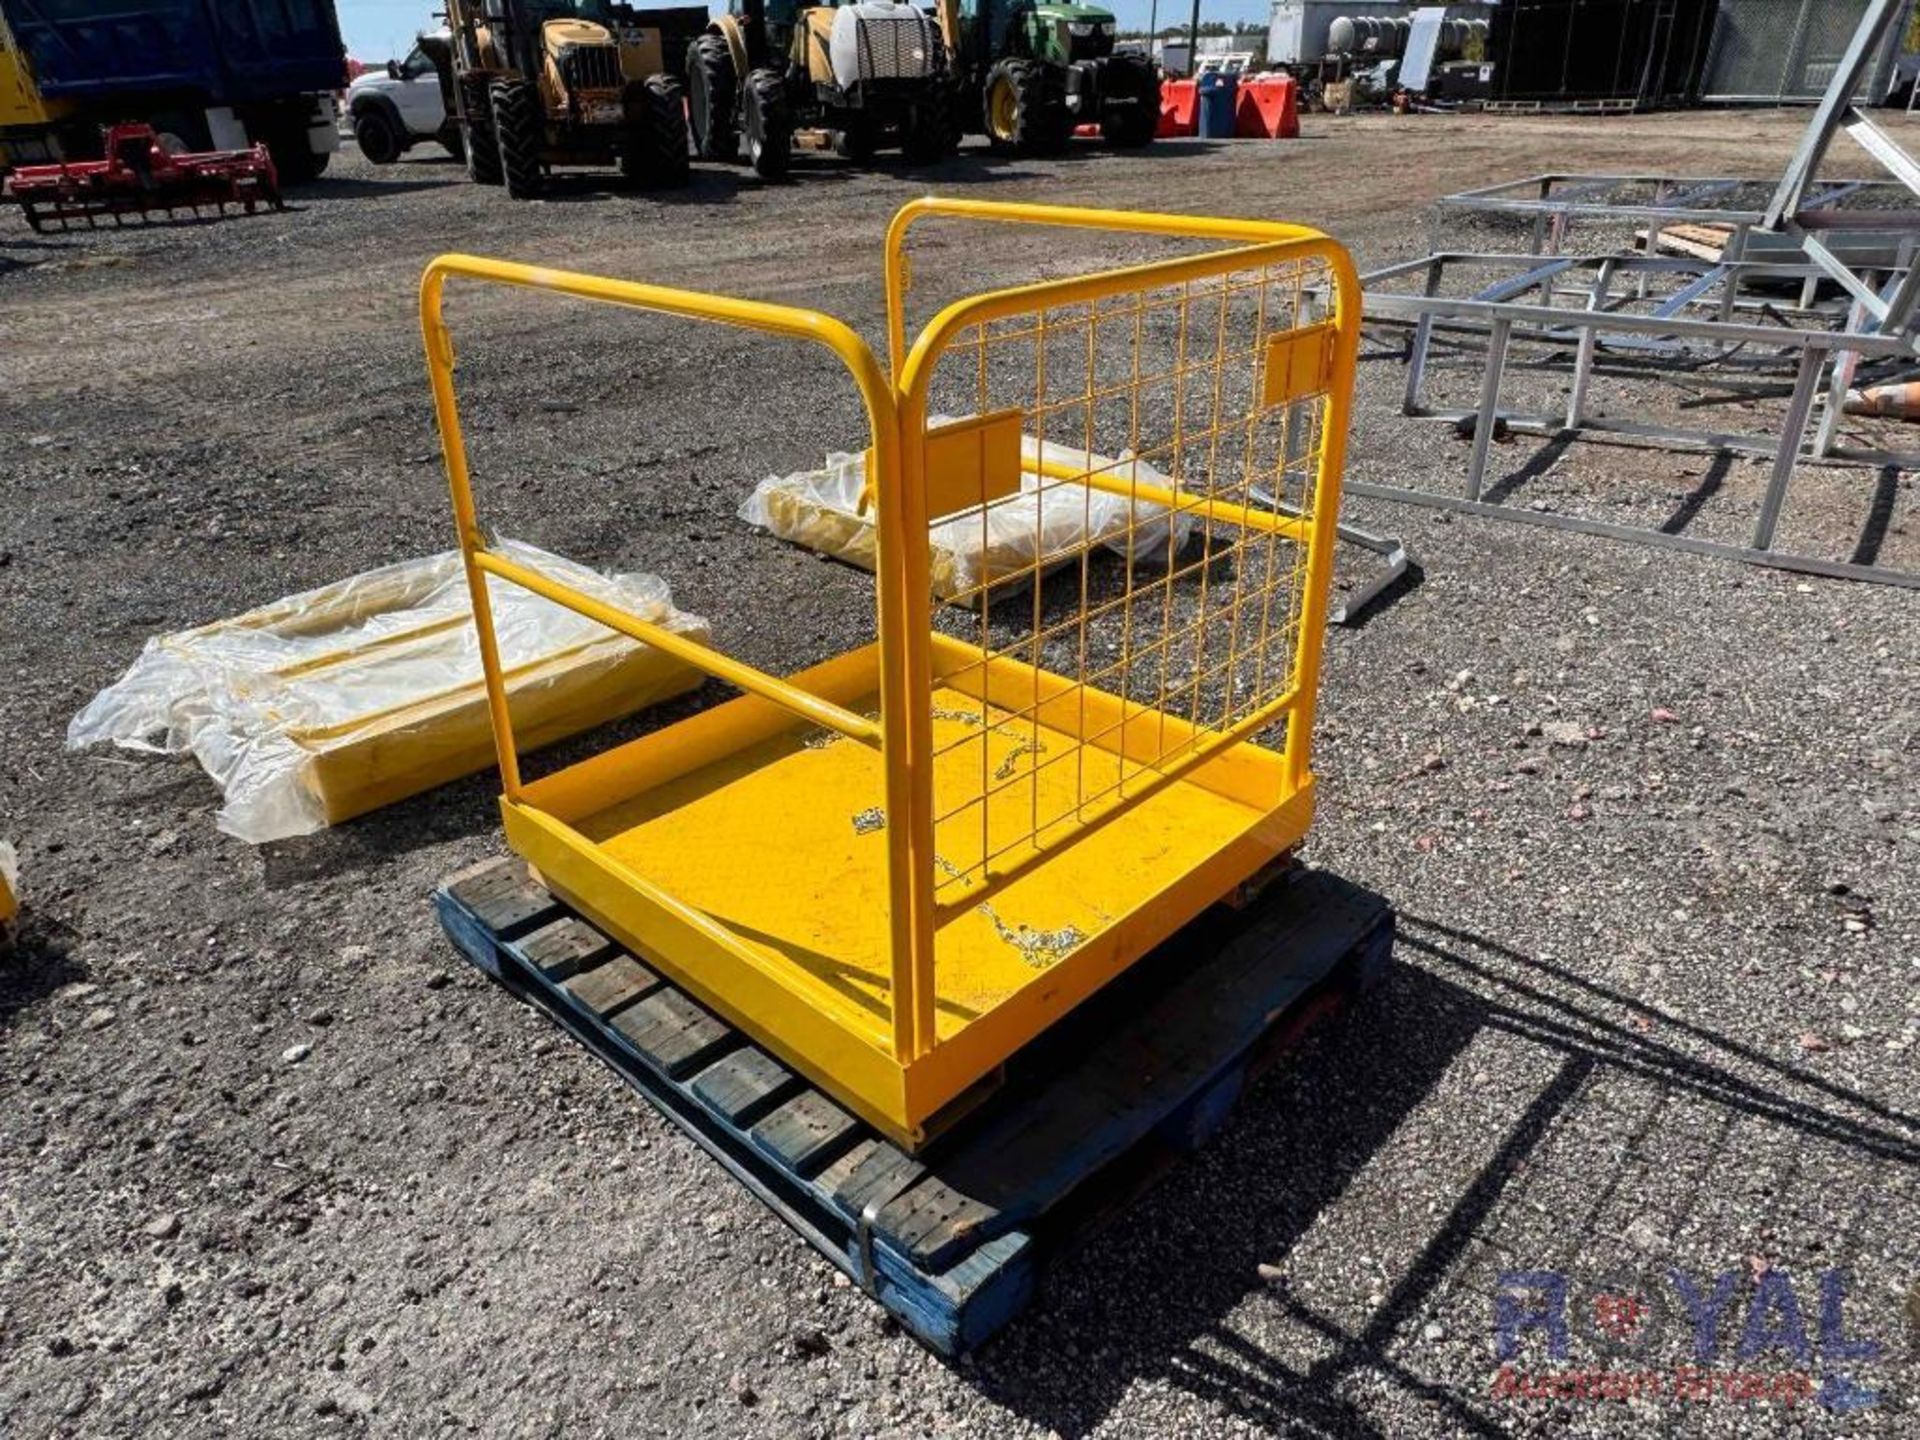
{"x":1217,"y":96}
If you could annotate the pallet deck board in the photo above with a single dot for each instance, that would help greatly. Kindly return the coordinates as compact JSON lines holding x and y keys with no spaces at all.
{"x":502,"y":898}
{"x":745,"y":1085}
{"x":673,"y":1032}
{"x":877,"y":1170}
{"x":608,"y":986}
{"x":563,"y":948}
{"x":951,"y":1240}
{"x":806,"y":1132}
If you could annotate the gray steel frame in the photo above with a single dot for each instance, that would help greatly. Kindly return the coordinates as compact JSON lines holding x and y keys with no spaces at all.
{"x":1876,"y":322}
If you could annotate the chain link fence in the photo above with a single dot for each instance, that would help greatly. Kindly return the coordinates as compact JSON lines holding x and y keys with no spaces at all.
{"x":1783,"y":51}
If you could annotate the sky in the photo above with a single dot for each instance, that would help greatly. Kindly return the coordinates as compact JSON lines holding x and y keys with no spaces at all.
{"x":384,"y":29}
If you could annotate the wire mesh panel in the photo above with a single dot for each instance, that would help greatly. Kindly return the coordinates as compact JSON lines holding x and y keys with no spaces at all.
{"x":1142,"y":469}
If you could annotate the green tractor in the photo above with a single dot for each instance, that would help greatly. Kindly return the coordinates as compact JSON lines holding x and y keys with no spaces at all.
{"x":1028,"y":72}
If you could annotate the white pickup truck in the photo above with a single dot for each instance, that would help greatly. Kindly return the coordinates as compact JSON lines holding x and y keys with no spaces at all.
{"x":410,"y":101}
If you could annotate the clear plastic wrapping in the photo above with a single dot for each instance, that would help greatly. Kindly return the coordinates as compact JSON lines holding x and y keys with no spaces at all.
{"x":1047,"y":525}
{"x":334,"y":702}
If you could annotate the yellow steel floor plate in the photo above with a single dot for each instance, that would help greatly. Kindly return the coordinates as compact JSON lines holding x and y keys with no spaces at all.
{"x":783,"y":842}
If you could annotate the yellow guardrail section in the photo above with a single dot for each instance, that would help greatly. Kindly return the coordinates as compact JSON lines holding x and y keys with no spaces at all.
{"x":895,"y":868}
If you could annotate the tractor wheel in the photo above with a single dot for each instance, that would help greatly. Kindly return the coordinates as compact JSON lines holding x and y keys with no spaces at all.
{"x":654,"y":148}
{"x":857,"y":142}
{"x":483,"y":151}
{"x":768,"y":123}
{"x":379,"y":138}
{"x":712,"y":99}
{"x":1026,"y":108}
{"x":520,"y":133}
{"x":1133,"y":122}
{"x":933,"y":128}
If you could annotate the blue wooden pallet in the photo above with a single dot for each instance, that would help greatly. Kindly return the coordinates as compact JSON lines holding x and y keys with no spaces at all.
{"x":952,"y":1240}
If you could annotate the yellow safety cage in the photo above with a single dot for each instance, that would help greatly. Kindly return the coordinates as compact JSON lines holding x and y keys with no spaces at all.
{"x":896,"y":868}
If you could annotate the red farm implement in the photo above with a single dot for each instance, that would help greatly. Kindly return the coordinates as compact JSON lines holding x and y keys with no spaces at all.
{"x":139,"y":179}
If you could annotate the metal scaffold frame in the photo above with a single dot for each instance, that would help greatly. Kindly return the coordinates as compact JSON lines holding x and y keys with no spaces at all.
{"x":1847,"y":246}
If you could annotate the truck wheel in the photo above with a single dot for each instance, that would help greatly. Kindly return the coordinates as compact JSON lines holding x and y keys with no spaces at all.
{"x":769,"y":126}
{"x":712,"y":90}
{"x":378,"y":137}
{"x":180,"y":131}
{"x":483,"y":151}
{"x":521,"y":132}
{"x":1026,"y":109}
{"x":1134,"y":119}
{"x":294,"y":158}
{"x":653,"y":151}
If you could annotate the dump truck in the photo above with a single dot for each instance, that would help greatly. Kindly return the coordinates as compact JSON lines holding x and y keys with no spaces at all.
{"x":1026,"y":74}
{"x":25,"y":118}
{"x":546,"y":83}
{"x":205,"y":74}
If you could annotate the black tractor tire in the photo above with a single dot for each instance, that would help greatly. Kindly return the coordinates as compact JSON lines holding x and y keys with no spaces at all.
{"x":483,"y":151}
{"x":932,"y":131}
{"x":1025,"y":108}
{"x":1128,"y":126}
{"x":858,"y":141}
{"x":520,"y":133}
{"x":713,"y":99}
{"x":379,"y":137}
{"x":453,"y":143}
{"x":654,"y":148}
{"x":767,"y":123}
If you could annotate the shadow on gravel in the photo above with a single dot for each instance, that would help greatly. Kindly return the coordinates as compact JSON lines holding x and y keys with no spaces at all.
{"x":38,"y":965}
{"x":1149,"y":1299}
{"x":1153,"y":1293}
{"x":1559,"y":1009}
{"x":43,"y":250}
{"x":345,"y":189}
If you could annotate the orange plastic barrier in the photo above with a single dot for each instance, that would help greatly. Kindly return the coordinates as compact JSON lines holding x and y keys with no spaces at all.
{"x":1268,"y":108}
{"x":1179,"y":108}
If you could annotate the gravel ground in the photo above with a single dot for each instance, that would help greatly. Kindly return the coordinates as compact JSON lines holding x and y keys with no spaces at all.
{"x":273,"y":1161}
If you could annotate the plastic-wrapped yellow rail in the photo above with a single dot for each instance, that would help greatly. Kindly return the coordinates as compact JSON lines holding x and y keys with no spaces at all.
{"x":896,"y":868}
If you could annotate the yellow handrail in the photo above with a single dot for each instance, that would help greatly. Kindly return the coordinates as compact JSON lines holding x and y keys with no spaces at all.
{"x":1128,"y":222}
{"x":894,"y":564}
{"x":702,"y":657}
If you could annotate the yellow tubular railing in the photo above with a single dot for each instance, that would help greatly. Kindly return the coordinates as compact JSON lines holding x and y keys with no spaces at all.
{"x":1125,"y":222}
{"x":701,"y":657}
{"x":897,"y":566}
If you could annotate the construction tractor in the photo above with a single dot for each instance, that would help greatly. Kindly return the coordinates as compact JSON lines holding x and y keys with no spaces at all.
{"x":540,"y":83}
{"x":772,"y":74}
{"x":1027,"y":72}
